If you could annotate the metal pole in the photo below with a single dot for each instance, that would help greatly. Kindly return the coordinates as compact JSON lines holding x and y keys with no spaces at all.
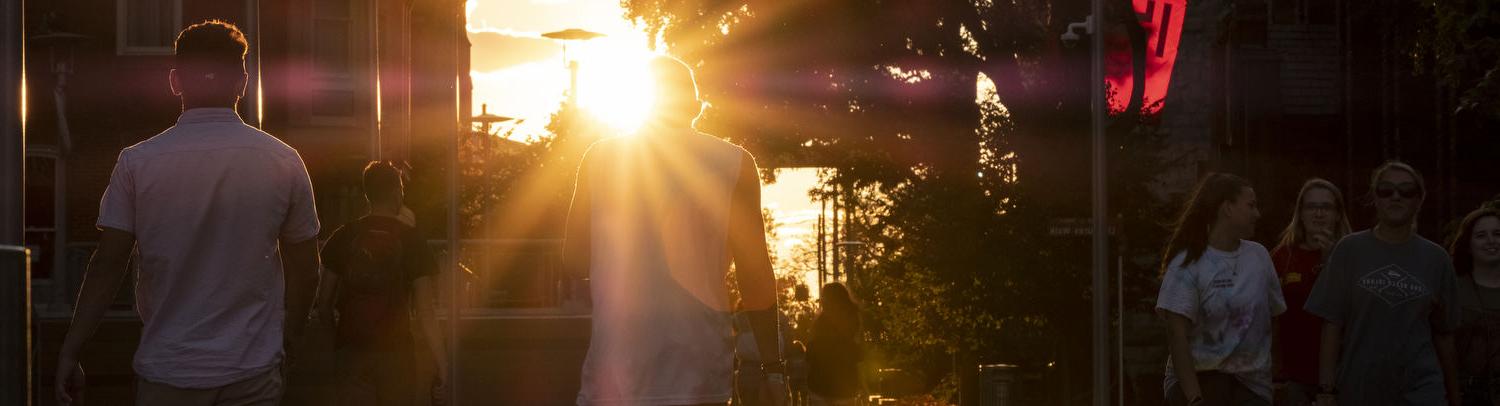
{"x":12,"y":123}
{"x":15,"y":284}
{"x":456,"y":274}
{"x":1101,"y":229}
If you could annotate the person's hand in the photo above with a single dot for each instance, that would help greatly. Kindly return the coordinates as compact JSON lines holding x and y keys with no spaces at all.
{"x":1326,"y":399}
{"x":1321,"y":238}
{"x":69,"y":382}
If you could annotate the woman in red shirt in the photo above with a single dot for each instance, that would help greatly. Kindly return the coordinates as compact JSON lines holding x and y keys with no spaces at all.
{"x":1318,"y":222}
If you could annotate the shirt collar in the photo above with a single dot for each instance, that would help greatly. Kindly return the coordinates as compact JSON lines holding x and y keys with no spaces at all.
{"x":209,"y":115}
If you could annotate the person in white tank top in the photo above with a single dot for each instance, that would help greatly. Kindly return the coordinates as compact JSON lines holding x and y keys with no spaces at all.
{"x":655,"y":223}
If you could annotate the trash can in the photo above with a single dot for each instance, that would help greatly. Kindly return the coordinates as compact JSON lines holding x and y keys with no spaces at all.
{"x":995,"y":382}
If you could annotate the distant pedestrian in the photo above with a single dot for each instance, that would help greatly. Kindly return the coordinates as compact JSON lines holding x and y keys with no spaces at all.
{"x":1476,"y":258}
{"x":223,"y":217}
{"x":1218,"y":294}
{"x":1387,"y":298}
{"x":1318,"y":222}
{"x":655,"y":223}
{"x":796,"y":372}
{"x":836,"y":349}
{"x":379,"y":277}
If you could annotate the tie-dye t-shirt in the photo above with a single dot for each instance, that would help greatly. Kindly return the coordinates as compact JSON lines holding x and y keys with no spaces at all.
{"x":1230,"y":298}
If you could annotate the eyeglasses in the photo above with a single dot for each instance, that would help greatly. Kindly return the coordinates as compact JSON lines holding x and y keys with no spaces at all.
{"x":1325,"y":207}
{"x":1407,"y":190}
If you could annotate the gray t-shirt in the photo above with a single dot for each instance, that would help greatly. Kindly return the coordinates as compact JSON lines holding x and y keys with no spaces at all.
{"x":1388,"y":298}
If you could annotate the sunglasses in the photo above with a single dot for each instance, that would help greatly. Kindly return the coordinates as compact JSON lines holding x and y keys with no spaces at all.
{"x":1407,"y":190}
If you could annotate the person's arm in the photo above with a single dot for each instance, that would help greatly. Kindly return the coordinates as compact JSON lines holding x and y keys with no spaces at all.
{"x":1183,"y":362}
{"x":1448,"y":358}
{"x":331,"y":259}
{"x":424,"y":299}
{"x":1447,"y":316}
{"x":1328,"y":359}
{"x":328,"y":284}
{"x":106,"y":271}
{"x":299,"y":251}
{"x":300,"y":265}
{"x":752,"y":261}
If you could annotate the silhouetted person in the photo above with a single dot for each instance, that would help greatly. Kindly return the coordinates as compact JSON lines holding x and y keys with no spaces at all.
{"x":656,"y":221}
{"x":380,"y":273}
{"x":1318,"y":221}
{"x":1218,"y":294}
{"x":1476,"y":258}
{"x":223,"y":217}
{"x":1387,"y":298}
{"x":835,"y":349}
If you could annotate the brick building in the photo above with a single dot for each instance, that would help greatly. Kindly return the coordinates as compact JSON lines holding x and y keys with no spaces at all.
{"x":1282,"y":90}
{"x":97,"y":83}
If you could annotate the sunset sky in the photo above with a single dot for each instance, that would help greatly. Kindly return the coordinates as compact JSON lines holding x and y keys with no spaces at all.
{"x":520,"y":74}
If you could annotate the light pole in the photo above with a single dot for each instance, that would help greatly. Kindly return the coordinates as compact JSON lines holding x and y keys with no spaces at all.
{"x":1099,"y":230}
{"x":572,"y":34}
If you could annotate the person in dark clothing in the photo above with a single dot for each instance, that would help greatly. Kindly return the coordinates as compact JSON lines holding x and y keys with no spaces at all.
{"x":835,"y":350}
{"x":1318,"y":221}
{"x":379,"y":275}
{"x":1387,"y":297}
{"x":1476,"y":259}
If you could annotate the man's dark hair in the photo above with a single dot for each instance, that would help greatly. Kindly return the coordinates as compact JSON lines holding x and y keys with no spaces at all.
{"x":210,"y":62}
{"x":382,"y":181}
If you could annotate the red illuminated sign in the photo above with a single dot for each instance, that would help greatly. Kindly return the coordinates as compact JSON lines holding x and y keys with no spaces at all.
{"x":1162,"y":22}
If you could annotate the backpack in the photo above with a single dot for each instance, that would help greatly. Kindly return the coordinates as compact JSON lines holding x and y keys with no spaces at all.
{"x":373,"y":285}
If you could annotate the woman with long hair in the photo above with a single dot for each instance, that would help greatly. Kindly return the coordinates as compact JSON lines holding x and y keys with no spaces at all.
{"x":1218,"y":294}
{"x":1318,"y":221}
{"x":1386,"y":297}
{"x":835,"y":350}
{"x":1476,"y":258}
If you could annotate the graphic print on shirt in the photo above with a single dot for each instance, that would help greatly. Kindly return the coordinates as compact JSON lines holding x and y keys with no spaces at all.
{"x":1393,"y":285}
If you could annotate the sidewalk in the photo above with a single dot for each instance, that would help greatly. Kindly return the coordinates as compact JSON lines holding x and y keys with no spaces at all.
{"x":527,"y":360}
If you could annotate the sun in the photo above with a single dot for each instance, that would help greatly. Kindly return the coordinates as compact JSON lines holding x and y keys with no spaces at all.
{"x":614,"y":83}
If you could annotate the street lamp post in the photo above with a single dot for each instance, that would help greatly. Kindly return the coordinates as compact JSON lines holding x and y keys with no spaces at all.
{"x":1099,"y":190}
{"x":572,"y":34}
{"x":1101,"y":233}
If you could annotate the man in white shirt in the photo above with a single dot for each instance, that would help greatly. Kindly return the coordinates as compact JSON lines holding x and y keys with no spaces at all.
{"x":655,"y":223}
{"x":223,"y":217}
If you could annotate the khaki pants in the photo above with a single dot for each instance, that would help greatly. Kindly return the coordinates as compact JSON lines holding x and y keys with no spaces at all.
{"x":261,"y":390}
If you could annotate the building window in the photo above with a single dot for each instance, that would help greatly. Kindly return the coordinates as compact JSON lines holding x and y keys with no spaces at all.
{"x":1316,"y":12}
{"x":333,"y":43}
{"x":146,"y":27}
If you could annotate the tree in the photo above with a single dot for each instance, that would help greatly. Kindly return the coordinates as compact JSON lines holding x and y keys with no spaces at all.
{"x":953,"y":128}
{"x":1456,"y":40}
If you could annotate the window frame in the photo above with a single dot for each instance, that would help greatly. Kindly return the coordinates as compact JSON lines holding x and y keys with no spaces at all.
{"x":123,"y":24}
